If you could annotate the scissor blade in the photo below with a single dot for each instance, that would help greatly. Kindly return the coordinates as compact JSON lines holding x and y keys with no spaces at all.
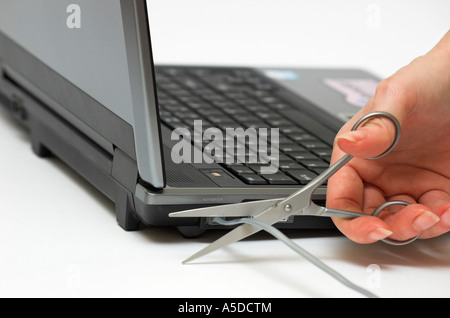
{"x":235,"y":235}
{"x":269,"y":216}
{"x":252,"y":208}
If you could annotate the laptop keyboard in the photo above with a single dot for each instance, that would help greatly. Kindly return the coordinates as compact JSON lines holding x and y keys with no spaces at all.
{"x":233,"y":98}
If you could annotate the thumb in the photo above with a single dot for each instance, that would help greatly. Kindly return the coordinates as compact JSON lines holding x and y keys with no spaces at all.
{"x":372,"y":138}
{"x":375,"y":135}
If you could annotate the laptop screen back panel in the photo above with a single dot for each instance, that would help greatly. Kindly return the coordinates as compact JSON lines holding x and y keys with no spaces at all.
{"x":103,"y":48}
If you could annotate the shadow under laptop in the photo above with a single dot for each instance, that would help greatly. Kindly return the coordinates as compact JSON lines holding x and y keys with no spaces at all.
{"x":427,"y":253}
{"x":172,"y":235}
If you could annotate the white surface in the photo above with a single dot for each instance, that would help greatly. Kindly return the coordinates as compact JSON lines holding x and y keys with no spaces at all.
{"x":58,"y":235}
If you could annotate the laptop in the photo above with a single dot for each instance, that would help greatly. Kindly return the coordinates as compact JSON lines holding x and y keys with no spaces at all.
{"x":157,"y":139}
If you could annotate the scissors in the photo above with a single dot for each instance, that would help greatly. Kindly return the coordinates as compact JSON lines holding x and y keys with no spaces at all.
{"x":299,"y":203}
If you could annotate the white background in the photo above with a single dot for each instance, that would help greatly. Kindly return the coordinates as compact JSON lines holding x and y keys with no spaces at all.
{"x":58,"y":235}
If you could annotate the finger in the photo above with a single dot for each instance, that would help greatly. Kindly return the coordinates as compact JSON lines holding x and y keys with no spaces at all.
{"x":364,"y":229}
{"x":371,"y":139}
{"x":439,"y":202}
{"x":398,"y":207}
{"x":346,"y":191}
{"x":411,"y":221}
{"x":373,"y":198}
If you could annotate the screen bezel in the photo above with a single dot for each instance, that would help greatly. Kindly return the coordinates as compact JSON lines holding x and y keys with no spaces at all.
{"x":147,"y":128}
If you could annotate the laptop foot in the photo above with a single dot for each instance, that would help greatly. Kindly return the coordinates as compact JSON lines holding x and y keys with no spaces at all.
{"x":40,"y":150}
{"x":190,"y":231}
{"x":125,"y":212}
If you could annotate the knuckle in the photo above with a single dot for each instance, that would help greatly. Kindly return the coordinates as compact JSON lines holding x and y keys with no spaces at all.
{"x":399,"y":91}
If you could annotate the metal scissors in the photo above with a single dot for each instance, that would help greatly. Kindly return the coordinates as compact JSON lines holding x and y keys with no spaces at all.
{"x":299,"y":203}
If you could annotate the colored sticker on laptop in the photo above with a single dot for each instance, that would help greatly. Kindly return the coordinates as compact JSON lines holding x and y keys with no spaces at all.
{"x":357,"y":92}
{"x":283,"y":75}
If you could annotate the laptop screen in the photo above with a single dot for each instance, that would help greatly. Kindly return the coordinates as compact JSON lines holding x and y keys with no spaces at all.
{"x":103,"y":48}
{"x":83,"y":42}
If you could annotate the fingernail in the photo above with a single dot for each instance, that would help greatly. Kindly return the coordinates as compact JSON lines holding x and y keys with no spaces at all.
{"x":353,"y":136}
{"x":379,"y":234}
{"x":425,"y":220}
{"x":445,"y":217}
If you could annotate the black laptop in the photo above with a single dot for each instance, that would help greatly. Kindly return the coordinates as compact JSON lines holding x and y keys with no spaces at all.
{"x":158,"y":139}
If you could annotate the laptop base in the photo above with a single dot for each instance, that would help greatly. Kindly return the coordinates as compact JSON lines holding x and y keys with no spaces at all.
{"x":115,"y":175}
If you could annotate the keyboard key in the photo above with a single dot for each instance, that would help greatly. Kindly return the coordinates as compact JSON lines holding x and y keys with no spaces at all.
{"x":278,"y":123}
{"x":291,"y":130}
{"x":281,"y":157}
{"x":284,"y":141}
{"x":303,"y":176}
{"x":300,"y":156}
{"x":302,"y":137}
{"x":279,"y":178}
{"x":319,"y":170}
{"x":240,"y":169}
{"x":256,"y":167}
{"x":268,"y":115}
{"x":244,"y":118}
{"x":284,"y":166}
{"x":279,"y":106}
{"x":323,"y":153}
{"x":268,"y":99}
{"x":252,"y":179}
{"x":314,"y":164}
{"x":291,"y":148}
{"x":313,"y":144}
{"x":170,"y":120}
{"x":252,"y":124}
{"x":221,"y":120}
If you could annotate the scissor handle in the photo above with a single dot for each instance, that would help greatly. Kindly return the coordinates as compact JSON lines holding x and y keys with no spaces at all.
{"x":317,"y":210}
{"x":318,"y":181}
{"x":397,"y":130}
{"x":389,"y":241}
{"x":314,"y":209}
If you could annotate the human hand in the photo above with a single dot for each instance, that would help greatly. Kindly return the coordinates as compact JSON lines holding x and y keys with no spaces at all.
{"x":417,"y":170}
